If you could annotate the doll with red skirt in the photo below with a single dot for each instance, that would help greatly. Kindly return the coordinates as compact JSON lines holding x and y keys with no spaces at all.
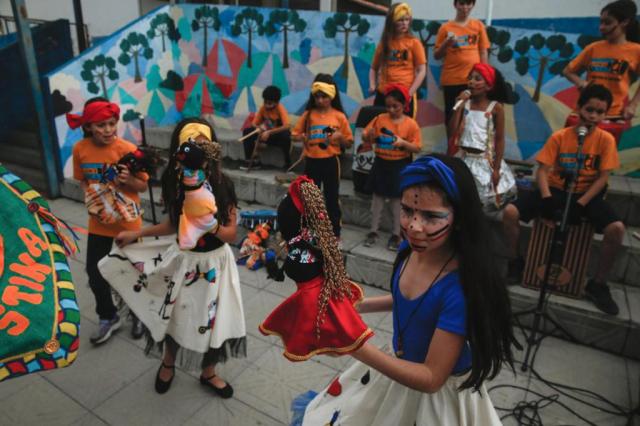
{"x":320,"y":316}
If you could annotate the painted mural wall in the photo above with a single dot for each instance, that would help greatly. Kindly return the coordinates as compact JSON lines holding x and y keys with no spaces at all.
{"x":192,"y":60}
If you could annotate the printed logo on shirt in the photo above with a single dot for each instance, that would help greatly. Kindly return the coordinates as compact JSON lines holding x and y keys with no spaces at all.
{"x":317,"y":132}
{"x":272,"y":124}
{"x":466,"y":40}
{"x":609,"y":66}
{"x":590,"y":164}
{"x":398,"y":55}
{"x":94,"y":171}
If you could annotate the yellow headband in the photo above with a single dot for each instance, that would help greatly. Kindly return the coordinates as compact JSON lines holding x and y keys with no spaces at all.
{"x":326,"y":88}
{"x":401,"y":10}
{"x":192,"y":131}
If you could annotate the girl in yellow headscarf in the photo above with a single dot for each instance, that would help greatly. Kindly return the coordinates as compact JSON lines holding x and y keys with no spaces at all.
{"x":189,"y":299}
{"x":399,"y":58}
{"x":324,"y":130}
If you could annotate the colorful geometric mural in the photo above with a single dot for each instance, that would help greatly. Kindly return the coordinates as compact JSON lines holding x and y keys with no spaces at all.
{"x":191,"y":60}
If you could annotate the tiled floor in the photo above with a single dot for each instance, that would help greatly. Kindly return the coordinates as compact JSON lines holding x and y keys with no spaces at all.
{"x":113,"y":384}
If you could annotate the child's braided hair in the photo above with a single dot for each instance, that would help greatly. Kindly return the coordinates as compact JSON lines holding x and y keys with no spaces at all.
{"x":336,"y":283}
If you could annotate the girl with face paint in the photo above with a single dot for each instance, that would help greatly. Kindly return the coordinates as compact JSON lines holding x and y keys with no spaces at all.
{"x":451,"y":315}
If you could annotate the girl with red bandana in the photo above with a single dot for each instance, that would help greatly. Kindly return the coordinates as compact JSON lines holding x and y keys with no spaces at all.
{"x":94,"y":159}
{"x":396,"y":138}
{"x":478,"y":129}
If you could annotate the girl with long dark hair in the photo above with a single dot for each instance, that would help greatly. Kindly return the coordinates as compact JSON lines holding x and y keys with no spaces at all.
{"x":611,"y":62}
{"x":188,"y":297}
{"x":451,"y":315}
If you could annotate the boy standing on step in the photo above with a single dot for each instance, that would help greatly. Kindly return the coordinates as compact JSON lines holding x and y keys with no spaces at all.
{"x":556,"y":159}
{"x":272,"y":122}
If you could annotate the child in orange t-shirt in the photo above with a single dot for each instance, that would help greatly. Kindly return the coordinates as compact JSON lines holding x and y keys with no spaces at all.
{"x":399,"y":58}
{"x":397,"y":137}
{"x":557,"y":159}
{"x":93,"y":159}
{"x":612,"y":62}
{"x":273,"y":121}
{"x":324,"y":130}
{"x":462,"y":43}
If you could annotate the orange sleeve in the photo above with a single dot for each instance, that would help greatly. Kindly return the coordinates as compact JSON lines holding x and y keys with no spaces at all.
{"x":549,"y":152}
{"x":77,"y":170}
{"x":415,"y":136}
{"x":483,"y":42}
{"x":300,"y":125}
{"x":375,"y":64}
{"x":259,"y":118}
{"x":610,"y":160}
{"x":345,"y":128}
{"x":372,"y":124}
{"x":284,"y":116}
{"x":580,"y":62}
{"x":419,"y":57}
{"x":441,"y":36}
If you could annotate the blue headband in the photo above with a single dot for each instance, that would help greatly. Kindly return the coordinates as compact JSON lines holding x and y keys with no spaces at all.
{"x":428,"y":169}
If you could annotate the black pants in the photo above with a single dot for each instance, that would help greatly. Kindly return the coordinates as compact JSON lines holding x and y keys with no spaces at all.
{"x":379,"y":101}
{"x":325,"y":172}
{"x":99,"y":246}
{"x":281,"y":139}
{"x":450,"y":95}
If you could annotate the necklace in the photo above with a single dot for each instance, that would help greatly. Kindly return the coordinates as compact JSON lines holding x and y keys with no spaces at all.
{"x":396,"y":317}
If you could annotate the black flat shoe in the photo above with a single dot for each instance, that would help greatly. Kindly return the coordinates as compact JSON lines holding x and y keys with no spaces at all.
{"x":162,"y":386}
{"x":224,"y":393}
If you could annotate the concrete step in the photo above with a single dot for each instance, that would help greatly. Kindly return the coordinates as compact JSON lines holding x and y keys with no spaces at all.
{"x":27,"y":156}
{"x":160,"y":137}
{"x":623,"y":192}
{"x":34,"y":176}
{"x":260,"y":187}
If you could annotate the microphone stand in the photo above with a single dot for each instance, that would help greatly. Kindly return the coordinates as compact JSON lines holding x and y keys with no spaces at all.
{"x":536,"y":334}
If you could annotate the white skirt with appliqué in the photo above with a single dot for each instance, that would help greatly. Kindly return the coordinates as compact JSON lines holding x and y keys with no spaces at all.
{"x":492,"y":198}
{"x":193,"y":297}
{"x":369,"y":398}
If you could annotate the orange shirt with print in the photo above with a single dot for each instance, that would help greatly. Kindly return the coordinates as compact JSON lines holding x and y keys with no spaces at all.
{"x":272,"y":118}
{"x":599,"y":153}
{"x":406,"y":129}
{"x":313,"y":123}
{"x":471,"y":38}
{"x":610,"y":65}
{"x":405,"y":55}
{"x":90,"y":161}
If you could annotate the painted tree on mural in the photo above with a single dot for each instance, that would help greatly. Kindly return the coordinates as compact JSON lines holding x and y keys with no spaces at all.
{"x":426,"y":30}
{"x":163,"y":26}
{"x":500,"y":44}
{"x":283,"y":21}
{"x":133,"y":47}
{"x":96,"y":71}
{"x":206,"y":18}
{"x":552,"y":53}
{"x":347,"y":24}
{"x":248,"y":22}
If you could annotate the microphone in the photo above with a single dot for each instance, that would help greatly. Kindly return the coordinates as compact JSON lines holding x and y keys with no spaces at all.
{"x":582,"y":133}
{"x":459,"y":103}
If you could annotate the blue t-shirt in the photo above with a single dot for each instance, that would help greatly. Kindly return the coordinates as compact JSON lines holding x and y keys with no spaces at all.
{"x":443,"y":307}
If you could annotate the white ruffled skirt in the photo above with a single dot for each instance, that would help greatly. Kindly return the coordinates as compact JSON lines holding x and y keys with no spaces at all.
{"x":193,"y":297}
{"x":369,"y":398}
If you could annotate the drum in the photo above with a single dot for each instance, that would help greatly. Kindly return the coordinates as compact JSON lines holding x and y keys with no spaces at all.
{"x":614,"y":125}
{"x":363,"y":156}
{"x":568,"y":273}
